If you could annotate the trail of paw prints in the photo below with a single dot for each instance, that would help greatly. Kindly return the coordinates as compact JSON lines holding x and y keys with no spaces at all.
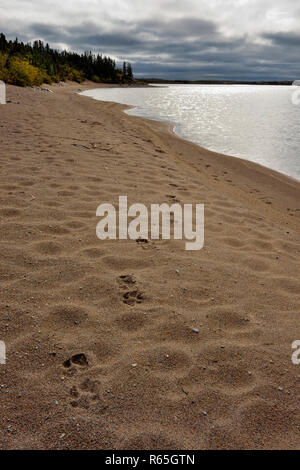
{"x":86,"y":392}
{"x":131,"y":294}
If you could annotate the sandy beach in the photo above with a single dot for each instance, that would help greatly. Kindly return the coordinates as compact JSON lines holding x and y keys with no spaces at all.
{"x":88,"y":369}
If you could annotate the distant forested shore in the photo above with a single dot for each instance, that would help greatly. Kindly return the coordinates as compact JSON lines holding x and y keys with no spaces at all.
{"x":27,"y":64}
{"x":214,"y":82}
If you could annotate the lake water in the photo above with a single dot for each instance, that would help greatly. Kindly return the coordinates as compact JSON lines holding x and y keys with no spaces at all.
{"x":257,"y":123}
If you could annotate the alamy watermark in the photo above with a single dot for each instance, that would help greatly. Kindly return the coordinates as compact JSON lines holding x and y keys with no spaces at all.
{"x":296,"y":353}
{"x":145,"y":226}
{"x":2,"y":353}
{"x":296,"y":93}
{"x":2,"y":92}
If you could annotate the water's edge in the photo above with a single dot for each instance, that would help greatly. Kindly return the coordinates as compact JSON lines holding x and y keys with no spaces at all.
{"x":170,"y":127}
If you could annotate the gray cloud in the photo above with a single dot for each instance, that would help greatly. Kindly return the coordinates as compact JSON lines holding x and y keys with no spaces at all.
{"x":179,"y":45}
{"x":284,"y":39}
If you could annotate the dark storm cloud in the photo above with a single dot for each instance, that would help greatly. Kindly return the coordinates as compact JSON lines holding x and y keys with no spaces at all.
{"x":284,"y":39}
{"x":85,"y":37}
{"x":148,"y":38}
{"x":185,"y":48}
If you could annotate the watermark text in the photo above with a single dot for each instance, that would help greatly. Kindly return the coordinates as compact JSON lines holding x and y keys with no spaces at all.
{"x":135,"y":222}
{"x":2,"y":92}
{"x":296,"y":353}
{"x":2,"y":353}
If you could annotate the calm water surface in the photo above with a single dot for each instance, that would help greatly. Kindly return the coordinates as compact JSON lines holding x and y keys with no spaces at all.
{"x":258,"y":123}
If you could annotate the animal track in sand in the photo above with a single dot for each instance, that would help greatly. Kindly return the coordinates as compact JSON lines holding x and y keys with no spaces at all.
{"x":126,"y":279}
{"x":133,"y":295}
{"x":79,"y":359}
{"x":83,"y":395}
{"x":87,"y":391}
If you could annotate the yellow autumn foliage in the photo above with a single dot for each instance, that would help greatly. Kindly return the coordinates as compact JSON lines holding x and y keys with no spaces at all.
{"x":21,"y":72}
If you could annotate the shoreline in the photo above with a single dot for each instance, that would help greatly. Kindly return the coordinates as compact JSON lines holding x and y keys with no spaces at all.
{"x":125,"y":345}
{"x":172,"y":130}
{"x":246,"y":169}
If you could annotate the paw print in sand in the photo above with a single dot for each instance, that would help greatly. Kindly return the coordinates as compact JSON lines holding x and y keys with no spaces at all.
{"x":132,"y":297}
{"x":85,"y":394}
{"x":77,"y":359}
{"x":132,"y":294}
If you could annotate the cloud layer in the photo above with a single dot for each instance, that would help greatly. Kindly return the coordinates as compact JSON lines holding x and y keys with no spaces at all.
{"x":233,"y":39}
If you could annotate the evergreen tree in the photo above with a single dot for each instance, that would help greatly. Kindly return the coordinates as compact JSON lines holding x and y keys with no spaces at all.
{"x":38,"y":62}
{"x":124,"y":74}
{"x":129,"y":72}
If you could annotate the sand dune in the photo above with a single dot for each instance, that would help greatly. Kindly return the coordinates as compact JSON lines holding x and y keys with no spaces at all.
{"x":101,"y":347}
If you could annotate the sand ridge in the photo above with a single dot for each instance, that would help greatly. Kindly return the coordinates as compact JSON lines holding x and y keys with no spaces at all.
{"x":101,"y":352}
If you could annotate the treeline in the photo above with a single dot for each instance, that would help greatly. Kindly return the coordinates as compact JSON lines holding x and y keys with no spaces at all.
{"x":33,"y":64}
{"x":212,"y":82}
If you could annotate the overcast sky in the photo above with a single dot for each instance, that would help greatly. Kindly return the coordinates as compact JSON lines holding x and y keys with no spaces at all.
{"x":184,"y":39}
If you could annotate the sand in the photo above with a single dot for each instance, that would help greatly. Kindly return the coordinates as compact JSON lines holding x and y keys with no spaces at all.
{"x":86,"y":369}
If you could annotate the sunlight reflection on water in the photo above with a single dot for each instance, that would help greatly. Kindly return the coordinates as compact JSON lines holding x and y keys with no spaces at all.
{"x":258,"y":123}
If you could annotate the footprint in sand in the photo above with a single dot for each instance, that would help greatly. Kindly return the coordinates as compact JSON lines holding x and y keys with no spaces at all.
{"x":126,"y":279}
{"x":87,"y":391}
{"x":77,"y":359}
{"x":133,"y":294}
{"x":83,"y":395}
{"x":132,"y":297}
